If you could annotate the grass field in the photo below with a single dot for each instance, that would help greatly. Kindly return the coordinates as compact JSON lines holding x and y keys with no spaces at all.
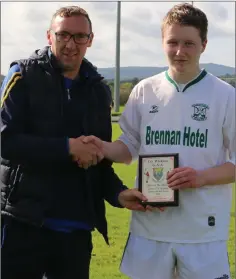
{"x":106,"y":259}
{"x":121,"y":109}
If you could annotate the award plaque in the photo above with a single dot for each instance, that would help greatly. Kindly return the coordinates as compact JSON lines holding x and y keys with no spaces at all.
{"x":152,"y":181}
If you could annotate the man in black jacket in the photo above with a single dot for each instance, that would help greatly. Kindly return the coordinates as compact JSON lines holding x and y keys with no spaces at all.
{"x":50,"y":205}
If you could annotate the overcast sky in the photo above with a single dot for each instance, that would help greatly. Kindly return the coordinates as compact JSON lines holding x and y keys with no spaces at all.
{"x":24,"y":26}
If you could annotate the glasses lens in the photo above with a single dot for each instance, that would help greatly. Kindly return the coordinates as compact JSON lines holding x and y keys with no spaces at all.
{"x":81,"y":38}
{"x":63,"y":37}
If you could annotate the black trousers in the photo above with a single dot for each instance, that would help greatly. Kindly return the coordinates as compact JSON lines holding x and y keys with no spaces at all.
{"x":31,"y":253}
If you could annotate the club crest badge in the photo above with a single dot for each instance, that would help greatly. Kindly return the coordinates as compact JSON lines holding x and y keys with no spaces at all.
{"x":200,"y":112}
{"x":158,"y":173}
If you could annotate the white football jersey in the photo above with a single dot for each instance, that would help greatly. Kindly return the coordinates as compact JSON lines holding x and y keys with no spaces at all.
{"x":198,"y":123}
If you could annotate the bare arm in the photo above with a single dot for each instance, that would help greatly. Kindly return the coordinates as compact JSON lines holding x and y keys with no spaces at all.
{"x":225,"y":173}
{"x":117,"y":152}
{"x":222,"y":174}
{"x":186,"y":177}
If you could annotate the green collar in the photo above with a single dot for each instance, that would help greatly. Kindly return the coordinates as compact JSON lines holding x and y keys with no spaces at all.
{"x":192,"y":82}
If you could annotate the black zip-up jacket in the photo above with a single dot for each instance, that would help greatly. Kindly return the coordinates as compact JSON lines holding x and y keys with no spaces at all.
{"x":39,"y":177}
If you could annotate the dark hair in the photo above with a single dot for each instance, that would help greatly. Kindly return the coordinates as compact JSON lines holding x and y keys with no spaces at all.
{"x":188,"y":15}
{"x":72,"y":11}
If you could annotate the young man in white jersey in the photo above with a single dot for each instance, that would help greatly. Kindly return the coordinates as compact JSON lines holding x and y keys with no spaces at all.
{"x":198,"y":110}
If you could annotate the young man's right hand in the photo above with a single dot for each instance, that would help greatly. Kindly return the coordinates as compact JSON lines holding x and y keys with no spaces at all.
{"x":115,"y":151}
{"x":85,"y":154}
{"x":95,"y":140}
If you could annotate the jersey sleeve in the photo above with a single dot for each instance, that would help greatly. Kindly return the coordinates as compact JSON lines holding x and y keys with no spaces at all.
{"x":129,"y":122}
{"x":229,"y":133}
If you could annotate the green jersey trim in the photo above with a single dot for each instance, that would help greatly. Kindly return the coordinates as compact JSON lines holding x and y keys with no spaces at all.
{"x":194,"y":81}
{"x":171,"y":81}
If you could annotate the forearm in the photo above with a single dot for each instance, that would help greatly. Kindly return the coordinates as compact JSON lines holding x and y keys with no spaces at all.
{"x":223,"y":174}
{"x":117,"y":152}
{"x":23,"y":148}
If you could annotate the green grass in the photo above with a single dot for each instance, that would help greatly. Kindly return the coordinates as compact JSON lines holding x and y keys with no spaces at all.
{"x":106,"y":259}
{"x":119,"y":112}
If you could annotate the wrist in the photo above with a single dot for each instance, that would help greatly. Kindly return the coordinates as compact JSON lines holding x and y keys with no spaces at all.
{"x":71,"y":144}
{"x":106,"y":149}
{"x":119,"y":197}
{"x":202,"y":178}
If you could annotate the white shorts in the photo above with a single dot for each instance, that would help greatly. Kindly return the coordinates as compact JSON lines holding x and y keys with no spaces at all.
{"x":150,"y":259}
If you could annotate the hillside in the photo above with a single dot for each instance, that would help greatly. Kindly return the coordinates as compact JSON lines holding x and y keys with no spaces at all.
{"x":128,"y":73}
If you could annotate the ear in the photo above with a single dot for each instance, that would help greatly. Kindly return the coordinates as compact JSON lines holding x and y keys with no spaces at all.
{"x":90,"y":41}
{"x":49,"y":37}
{"x":204,"y":44}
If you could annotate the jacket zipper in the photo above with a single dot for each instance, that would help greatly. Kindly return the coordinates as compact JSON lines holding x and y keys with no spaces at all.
{"x":68,"y":94}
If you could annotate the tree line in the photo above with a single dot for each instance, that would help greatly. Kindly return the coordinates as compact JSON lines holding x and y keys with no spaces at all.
{"x":127,"y":86}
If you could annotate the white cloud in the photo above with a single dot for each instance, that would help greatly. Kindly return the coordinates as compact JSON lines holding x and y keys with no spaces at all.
{"x":140,"y":31}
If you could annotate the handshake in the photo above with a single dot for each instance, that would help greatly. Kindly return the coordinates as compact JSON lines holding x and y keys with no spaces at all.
{"x":86,"y":150}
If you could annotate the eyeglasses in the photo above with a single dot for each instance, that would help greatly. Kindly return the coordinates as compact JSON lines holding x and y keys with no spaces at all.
{"x":79,"y":38}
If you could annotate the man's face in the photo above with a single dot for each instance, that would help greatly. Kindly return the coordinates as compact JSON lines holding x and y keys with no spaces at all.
{"x":69,"y":53}
{"x":183,"y":47}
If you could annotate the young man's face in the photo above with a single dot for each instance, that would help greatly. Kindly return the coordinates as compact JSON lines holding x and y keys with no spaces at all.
{"x":70,"y":54}
{"x":183,"y":47}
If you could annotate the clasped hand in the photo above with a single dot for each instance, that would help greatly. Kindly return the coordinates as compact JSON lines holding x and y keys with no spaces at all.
{"x":86,"y":151}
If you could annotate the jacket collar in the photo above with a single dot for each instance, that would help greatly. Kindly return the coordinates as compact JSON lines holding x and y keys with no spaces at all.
{"x":47,"y":60}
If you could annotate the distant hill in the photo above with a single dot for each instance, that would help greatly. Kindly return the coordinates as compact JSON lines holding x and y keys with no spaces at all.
{"x":128,"y":73}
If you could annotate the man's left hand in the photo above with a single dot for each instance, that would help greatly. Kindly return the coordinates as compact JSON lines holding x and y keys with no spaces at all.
{"x":131,"y":199}
{"x":185,"y":177}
